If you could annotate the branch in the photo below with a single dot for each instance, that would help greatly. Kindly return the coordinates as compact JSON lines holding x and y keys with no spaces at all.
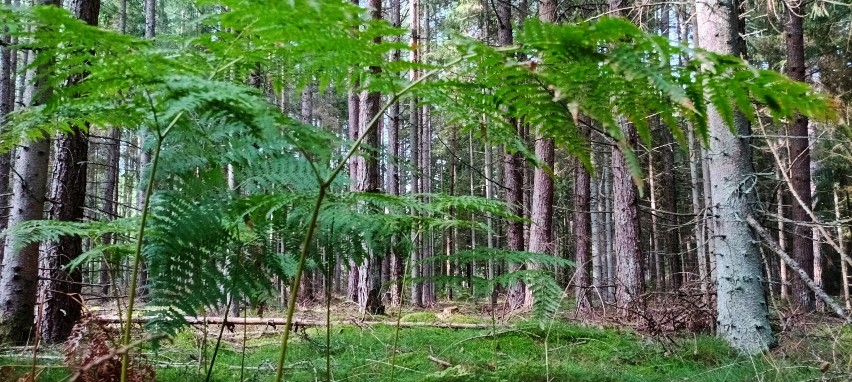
{"x":770,"y":242}
{"x":114,"y":319}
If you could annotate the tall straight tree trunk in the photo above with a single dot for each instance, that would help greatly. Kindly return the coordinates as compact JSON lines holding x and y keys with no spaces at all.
{"x":596,"y":222}
{"x":610,"y":262}
{"x":742,"y":312}
{"x":393,"y":178}
{"x":7,"y":104}
{"x":541,"y":213}
{"x":841,"y":243}
{"x":306,"y":286}
{"x":450,"y":240}
{"x":150,"y":8}
{"x":19,"y":277}
{"x":369,"y":272}
{"x":800,"y":158}
{"x":59,"y":289}
{"x":513,"y":169}
{"x":113,"y":161}
{"x":629,"y":286}
{"x":582,"y":229}
{"x":699,"y":231}
{"x":428,"y":268}
{"x":415,"y":147}
{"x":655,"y":259}
{"x":629,"y":278}
{"x":354,"y":173}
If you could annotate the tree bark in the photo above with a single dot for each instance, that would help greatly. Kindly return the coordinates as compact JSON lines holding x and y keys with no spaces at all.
{"x":414,"y":153}
{"x":800,"y":157}
{"x":513,"y":170}
{"x":393,"y":179}
{"x":19,"y":277}
{"x":582,"y":228}
{"x":841,"y":244}
{"x":59,"y":290}
{"x":629,"y":286}
{"x":355,"y":169}
{"x":743,"y":317}
{"x":7,"y":103}
{"x":150,"y":9}
{"x":541,"y":211}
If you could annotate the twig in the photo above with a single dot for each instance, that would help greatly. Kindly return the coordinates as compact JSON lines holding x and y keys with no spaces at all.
{"x":439,"y":361}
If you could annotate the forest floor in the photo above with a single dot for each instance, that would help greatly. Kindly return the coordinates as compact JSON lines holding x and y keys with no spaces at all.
{"x":563,"y":349}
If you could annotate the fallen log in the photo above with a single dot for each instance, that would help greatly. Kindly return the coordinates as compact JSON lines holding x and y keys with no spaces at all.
{"x":274,"y":322}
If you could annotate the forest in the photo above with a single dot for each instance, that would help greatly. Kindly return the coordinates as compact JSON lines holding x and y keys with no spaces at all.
{"x":425,"y":190}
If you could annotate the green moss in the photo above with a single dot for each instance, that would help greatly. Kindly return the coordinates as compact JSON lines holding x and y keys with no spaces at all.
{"x":420,"y":317}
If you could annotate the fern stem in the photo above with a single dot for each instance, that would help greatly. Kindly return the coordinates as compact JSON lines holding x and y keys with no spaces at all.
{"x":219,"y":340}
{"x":137,"y":256}
{"x":294,"y":286}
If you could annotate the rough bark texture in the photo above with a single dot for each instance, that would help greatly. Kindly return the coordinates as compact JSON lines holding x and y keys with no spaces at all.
{"x":582,"y":234}
{"x":110,"y":194}
{"x":800,"y":157}
{"x":743,"y":319}
{"x":150,"y":18}
{"x":6,"y":106}
{"x":629,"y":278}
{"x":396,"y":268}
{"x":59,"y":290}
{"x":513,"y":169}
{"x":414,"y":154}
{"x":19,"y":278}
{"x":355,"y":167}
{"x":670,"y":198}
{"x":369,"y":272}
{"x":306,"y":286}
{"x":541,"y":211}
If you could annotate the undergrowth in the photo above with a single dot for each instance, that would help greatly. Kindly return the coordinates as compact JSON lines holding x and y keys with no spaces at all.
{"x":529,"y":351}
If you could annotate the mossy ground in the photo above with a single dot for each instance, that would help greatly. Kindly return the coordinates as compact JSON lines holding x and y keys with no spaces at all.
{"x":528,"y":352}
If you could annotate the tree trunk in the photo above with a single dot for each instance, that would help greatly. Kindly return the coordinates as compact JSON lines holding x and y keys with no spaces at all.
{"x":582,"y":228}
{"x":19,"y":277}
{"x":541,"y":211}
{"x":367,"y":180}
{"x":7,"y":104}
{"x":669,"y":195}
{"x":800,"y":157}
{"x":415,"y":156}
{"x":59,"y":290}
{"x":743,"y":317}
{"x":306,"y":286}
{"x":150,"y":9}
{"x":355,"y":168}
{"x":393,"y":179}
{"x":841,"y":243}
{"x":513,"y":170}
{"x":629,"y":286}
{"x":596,"y":211}
{"x":629,"y":278}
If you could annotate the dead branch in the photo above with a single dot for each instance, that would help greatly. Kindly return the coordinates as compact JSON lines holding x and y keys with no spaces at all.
{"x":770,"y":242}
{"x":440,"y":361}
{"x":113,"y":319}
